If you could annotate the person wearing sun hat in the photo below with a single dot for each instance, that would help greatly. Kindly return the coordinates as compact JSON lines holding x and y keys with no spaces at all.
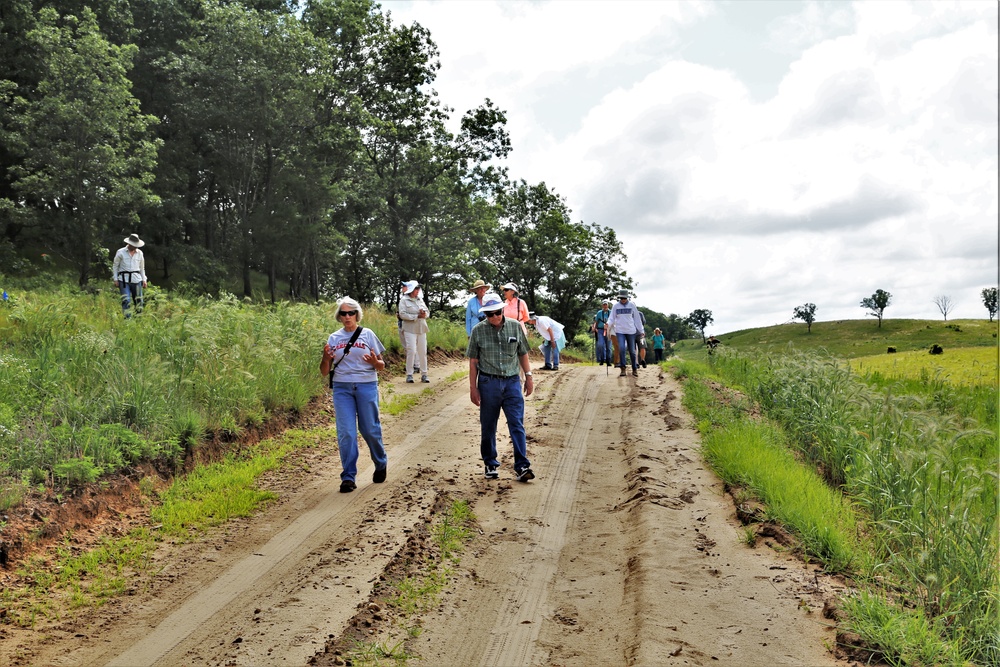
{"x":627,"y":323}
{"x":128,"y":272}
{"x":497,"y":349}
{"x":479,"y":289}
{"x":602,"y":341}
{"x":354,"y":387}
{"x":514,"y":307}
{"x":413,"y":313}
{"x":555,"y":340}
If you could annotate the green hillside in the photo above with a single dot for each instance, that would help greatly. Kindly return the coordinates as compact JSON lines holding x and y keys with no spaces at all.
{"x":859,"y":338}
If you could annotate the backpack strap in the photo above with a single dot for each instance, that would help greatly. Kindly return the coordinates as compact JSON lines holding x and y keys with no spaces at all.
{"x":350,"y":344}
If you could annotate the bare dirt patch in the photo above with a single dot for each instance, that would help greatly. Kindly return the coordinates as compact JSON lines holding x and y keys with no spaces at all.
{"x":623,"y":550}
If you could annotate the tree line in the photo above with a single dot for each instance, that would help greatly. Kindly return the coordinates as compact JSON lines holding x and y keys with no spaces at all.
{"x":298,"y":140}
{"x":876,"y":304}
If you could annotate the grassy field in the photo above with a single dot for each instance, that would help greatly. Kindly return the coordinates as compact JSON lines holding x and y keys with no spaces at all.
{"x":849,"y":339}
{"x":958,"y":366}
{"x":909,"y":439}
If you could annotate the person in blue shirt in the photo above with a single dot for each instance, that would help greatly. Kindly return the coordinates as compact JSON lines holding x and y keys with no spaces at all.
{"x":603,"y":340}
{"x":479,"y":289}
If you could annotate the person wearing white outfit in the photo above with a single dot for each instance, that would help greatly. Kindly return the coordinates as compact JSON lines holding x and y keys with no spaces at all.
{"x":555,"y":340}
{"x":413,"y":313}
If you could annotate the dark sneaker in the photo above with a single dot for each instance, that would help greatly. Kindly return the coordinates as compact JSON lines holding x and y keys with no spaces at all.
{"x":635,"y":372}
{"x":409,"y":379}
{"x":379,"y":476}
{"x":546,"y":367}
{"x":525,"y":475}
{"x":555,"y":368}
{"x":492,"y":472}
{"x":424,"y":378}
{"x":622,"y":374}
{"x":347,"y":486}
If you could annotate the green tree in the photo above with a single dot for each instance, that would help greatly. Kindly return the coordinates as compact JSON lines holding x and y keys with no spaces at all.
{"x":676,"y":328}
{"x":989,"y":295}
{"x":86,"y":152}
{"x":807,"y":313}
{"x":876,"y":304}
{"x":700,"y":319}
{"x":562,"y":268}
{"x":247,"y":89}
{"x":416,"y":191}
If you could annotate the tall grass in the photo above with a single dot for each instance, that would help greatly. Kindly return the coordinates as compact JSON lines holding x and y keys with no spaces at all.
{"x":84,"y":392}
{"x":927,"y":482}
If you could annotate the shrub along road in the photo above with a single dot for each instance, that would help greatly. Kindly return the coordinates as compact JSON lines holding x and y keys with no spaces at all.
{"x":624,"y":550}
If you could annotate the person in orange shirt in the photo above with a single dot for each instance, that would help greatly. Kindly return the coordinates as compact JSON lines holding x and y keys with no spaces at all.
{"x":515,"y":308}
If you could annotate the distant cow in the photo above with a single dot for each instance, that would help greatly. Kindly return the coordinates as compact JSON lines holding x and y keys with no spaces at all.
{"x":936,"y":349}
{"x":891,"y":350}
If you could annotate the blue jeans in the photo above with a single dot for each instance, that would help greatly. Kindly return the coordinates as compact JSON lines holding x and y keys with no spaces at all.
{"x":627,"y":341}
{"x":603,"y":347}
{"x":551,"y":354}
{"x":356,"y":407}
{"x":497,"y":394}
{"x":131,"y":293}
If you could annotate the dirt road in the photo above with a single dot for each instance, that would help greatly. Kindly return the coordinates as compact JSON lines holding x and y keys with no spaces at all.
{"x":623,"y":551}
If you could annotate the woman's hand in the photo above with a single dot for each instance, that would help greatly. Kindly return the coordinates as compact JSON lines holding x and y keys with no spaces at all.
{"x":373,"y":360}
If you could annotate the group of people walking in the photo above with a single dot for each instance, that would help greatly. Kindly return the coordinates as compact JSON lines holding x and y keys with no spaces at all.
{"x":622,"y":326}
{"x":497,"y":351}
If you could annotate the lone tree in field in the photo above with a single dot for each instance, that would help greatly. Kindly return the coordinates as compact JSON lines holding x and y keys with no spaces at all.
{"x":944,"y":304}
{"x":876,"y":304}
{"x":699,"y":319}
{"x":807,"y":313}
{"x":990,"y":300}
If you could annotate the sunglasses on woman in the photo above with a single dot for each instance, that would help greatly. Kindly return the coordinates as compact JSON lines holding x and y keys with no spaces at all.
{"x":346,"y":313}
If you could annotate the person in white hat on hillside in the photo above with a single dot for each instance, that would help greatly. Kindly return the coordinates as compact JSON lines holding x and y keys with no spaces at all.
{"x":497,"y":349}
{"x":128,"y":272}
{"x":413,"y":312}
{"x":479,"y":289}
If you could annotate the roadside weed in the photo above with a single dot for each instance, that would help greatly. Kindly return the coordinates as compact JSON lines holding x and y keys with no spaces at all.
{"x":921,"y":477}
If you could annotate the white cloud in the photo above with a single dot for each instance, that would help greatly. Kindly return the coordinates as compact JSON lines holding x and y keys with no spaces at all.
{"x":870,"y":164}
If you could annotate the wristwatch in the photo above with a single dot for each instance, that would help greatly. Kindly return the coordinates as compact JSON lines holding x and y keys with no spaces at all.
{"x":527,"y":374}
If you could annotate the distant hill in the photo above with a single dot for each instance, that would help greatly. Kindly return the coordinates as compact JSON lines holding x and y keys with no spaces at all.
{"x":859,"y":338}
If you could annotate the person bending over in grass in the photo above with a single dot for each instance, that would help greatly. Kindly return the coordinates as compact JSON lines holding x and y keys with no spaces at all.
{"x":352,"y":357}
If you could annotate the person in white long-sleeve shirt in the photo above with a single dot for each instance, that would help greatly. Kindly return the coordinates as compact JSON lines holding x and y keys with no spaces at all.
{"x":128,"y":271}
{"x":413,"y":313}
{"x":626,"y":321}
{"x":555,"y":340}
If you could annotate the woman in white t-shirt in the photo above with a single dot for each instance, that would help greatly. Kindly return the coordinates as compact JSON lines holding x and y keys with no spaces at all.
{"x":355,"y":359}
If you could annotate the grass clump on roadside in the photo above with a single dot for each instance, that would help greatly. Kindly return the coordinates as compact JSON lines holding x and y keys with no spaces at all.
{"x":923,"y":482}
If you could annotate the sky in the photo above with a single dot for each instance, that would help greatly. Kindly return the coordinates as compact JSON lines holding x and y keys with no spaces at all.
{"x":752,"y":156}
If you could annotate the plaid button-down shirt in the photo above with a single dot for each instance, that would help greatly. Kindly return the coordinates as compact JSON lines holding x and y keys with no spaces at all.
{"x":498,"y":351}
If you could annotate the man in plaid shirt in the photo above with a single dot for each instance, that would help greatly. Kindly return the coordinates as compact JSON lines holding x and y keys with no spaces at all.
{"x":497,"y":349}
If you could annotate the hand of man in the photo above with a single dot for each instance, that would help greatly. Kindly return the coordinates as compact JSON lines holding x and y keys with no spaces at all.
{"x":474,"y":395}
{"x":529,"y":385}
